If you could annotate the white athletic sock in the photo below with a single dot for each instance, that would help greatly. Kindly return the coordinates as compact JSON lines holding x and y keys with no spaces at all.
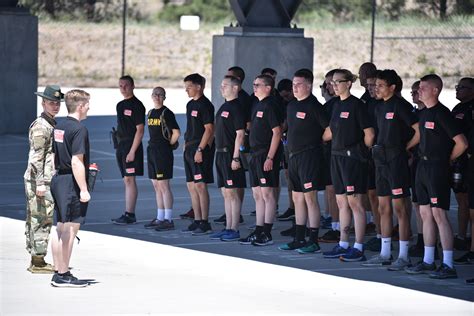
{"x":403,"y":252}
{"x":386,"y":247}
{"x":428,"y":256}
{"x":379,"y":236}
{"x":334,"y":225}
{"x":168,"y":214}
{"x":448,"y":258}
{"x":160,"y":214}
{"x":359,"y":247}
{"x":338,"y":226}
{"x":344,"y":244}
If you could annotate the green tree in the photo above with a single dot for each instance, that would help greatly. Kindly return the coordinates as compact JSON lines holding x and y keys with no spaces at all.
{"x":207,"y":10}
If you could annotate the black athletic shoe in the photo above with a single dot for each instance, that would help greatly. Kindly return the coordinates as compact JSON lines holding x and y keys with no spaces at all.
{"x":192,"y":227}
{"x":290,"y":232}
{"x":467,"y":258}
{"x":220,"y":220}
{"x":331,"y":236}
{"x":444,"y":272}
{"x":248,"y":240}
{"x":460,"y":244}
{"x":263,"y":240}
{"x":125,"y":219}
{"x":203,"y":229}
{"x":287,"y":216}
{"x":68,"y":280}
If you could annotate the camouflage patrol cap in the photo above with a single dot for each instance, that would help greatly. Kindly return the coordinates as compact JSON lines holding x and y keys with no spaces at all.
{"x":51,"y":92}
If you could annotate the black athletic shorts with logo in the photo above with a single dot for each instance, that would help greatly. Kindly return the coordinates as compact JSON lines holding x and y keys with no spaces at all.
{"x":67,"y":204}
{"x":393,"y":177}
{"x":349,"y":175}
{"x":226,"y":177}
{"x":133,"y":168}
{"x":305,"y":171}
{"x":160,"y":162}
{"x":432,"y":183}
{"x":463,"y":166}
{"x":199,"y":172}
{"x":260,"y":178}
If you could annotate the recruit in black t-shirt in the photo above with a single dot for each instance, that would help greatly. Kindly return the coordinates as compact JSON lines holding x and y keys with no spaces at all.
{"x":155,"y":126}
{"x":70,"y":138}
{"x":264,"y":120}
{"x":307,"y":121}
{"x":130,"y":113}
{"x":198,"y":113}
{"x":464,"y":115}
{"x":394,"y":120}
{"x":245,"y":104}
{"x":229,"y":119}
{"x":437,"y":130}
{"x":348,"y":121}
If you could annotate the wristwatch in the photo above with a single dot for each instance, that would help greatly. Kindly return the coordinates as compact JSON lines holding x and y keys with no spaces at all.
{"x":236,"y":159}
{"x":199,"y":149}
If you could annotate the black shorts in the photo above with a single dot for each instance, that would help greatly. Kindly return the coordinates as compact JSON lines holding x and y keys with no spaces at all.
{"x":129,"y":169}
{"x":432,"y":184}
{"x":226,"y":177}
{"x":471,"y":182}
{"x":414,"y":165}
{"x":393,"y":177}
{"x":371,"y":174}
{"x":260,"y":178}
{"x":286,"y":157}
{"x":461,"y":187}
{"x":327,"y":164}
{"x":160,"y":162}
{"x":199,"y":172}
{"x":67,"y":204}
{"x":349,"y":175}
{"x":305,"y":171}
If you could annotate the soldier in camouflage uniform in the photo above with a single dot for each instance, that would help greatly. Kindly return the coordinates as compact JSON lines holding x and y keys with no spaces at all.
{"x":39,"y":201}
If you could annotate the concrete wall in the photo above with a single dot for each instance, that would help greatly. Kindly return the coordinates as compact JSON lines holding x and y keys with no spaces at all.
{"x":253,"y":53}
{"x":18,"y":70}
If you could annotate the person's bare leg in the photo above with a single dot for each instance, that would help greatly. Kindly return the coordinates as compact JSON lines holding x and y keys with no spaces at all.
{"x":345,"y":216}
{"x":259,"y":206}
{"x":131,"y":193}
{"x":355,"y":203}
{"x":314,"y":211}
{"x":195,"y":204}
{"x":269,"y":196}
{"x":203,"y":193}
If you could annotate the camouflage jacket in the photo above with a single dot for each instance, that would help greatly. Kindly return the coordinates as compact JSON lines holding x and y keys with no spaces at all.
{"x":40,"y":158}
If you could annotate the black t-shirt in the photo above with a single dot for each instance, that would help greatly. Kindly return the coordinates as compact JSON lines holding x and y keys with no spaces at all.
{"x":264,"y":119}
{"x":348,"y":121}
{"x":394,"y":120}
{"x":371,"y":106}
{"x":437,"y":129}
{"x":245,"y":104}
{"x":229,"y":119}
{"x":279,"y":105}
{"x":130,"y":113}
{"x":70,"y":138}
{"x":198,"y":113}
{"x":307,"y":120}
{"x":155,"y":126}
{"x":366,"y":96}
{"x":464,"y":115}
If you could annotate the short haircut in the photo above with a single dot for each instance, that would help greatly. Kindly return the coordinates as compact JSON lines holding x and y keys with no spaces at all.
{"x":434,"y":79}
{"x":271,"y":71}
{"x":285,"y":85}
{"x":306,"y":74}
{"x":416,"y":85}
{"x":346,"y":74}
{"x":330,"y":73}
{"x":389,"y":76}
{"x":196,"y":79}
{"x":469,"y":80}
{"x":129,"y":79}
{"x":399,"y":85}
{"x":74,"y":98}
{"x":233,"y":80}
{"x":159,"y":91}
{"x":267,"y":80}
{"x":369,"y":69}
{"x":238,"y":72}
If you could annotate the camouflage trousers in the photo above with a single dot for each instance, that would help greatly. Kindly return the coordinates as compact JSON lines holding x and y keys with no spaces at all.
{"x":39,"y":219}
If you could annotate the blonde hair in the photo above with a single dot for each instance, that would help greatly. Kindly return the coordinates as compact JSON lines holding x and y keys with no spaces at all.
{"x":346,"y":74}
{"x":74,"y":98}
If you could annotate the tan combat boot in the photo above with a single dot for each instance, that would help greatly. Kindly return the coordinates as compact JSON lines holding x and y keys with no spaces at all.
{"x":38,"y":265}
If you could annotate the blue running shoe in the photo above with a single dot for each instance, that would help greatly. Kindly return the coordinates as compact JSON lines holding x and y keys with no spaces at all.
{"x":218,"y":235}
{"x":231,"y":235}
{"x":336,"y":252}
{"x":352,"y":255}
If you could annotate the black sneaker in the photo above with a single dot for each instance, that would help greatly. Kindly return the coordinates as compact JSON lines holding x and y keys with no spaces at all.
{"x":263,"y":240}
{"x":460,"y":244}
{"x":470,"y":281}
{"x":326,"y":222}
{"x":416,"y":250}
{"x":331,"y":236}
{"x":125,"y":219}
{"x":188,"y":215}
{"x":203,"y":229}
{"x":220,"y":220}
{"x":287,"y":216}
{"x":444,"y":272}
{"x":248,"y":240}
{"x":421,"y":267}
{"x":467,"y":258}
{"x":241,"y":220}
{"x":152,"y":224}
{"x":68,"y":280}
{"x":192,"y":227}
{"x":290,"y":232}
{"x":373,"y":244}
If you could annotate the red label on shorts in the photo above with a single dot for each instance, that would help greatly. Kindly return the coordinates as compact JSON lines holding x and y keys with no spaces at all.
{"x":300,"y":115}
{"x":194,"y":113}
{"x":397,"y":191}
{"x":197,"y":176}
{"x":127,"y":112}
{"x":429,"y":125}
{"x":263,"y":180}
{"x":225,"y":114}
{"x":308,"y":185}
{"x":350,"y":188}
{"x":260,"y":114}
{"x":344,"y":115}
{"x":460,"y":116}
{"x":130,"y":170}
{"x":230,"y":182}
{"x":389,"y":116}
{"x":434,"y":200}
{"x":58,"y":135}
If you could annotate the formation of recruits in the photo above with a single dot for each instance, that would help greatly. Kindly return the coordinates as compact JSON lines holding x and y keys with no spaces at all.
{"x":368,"y":153}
